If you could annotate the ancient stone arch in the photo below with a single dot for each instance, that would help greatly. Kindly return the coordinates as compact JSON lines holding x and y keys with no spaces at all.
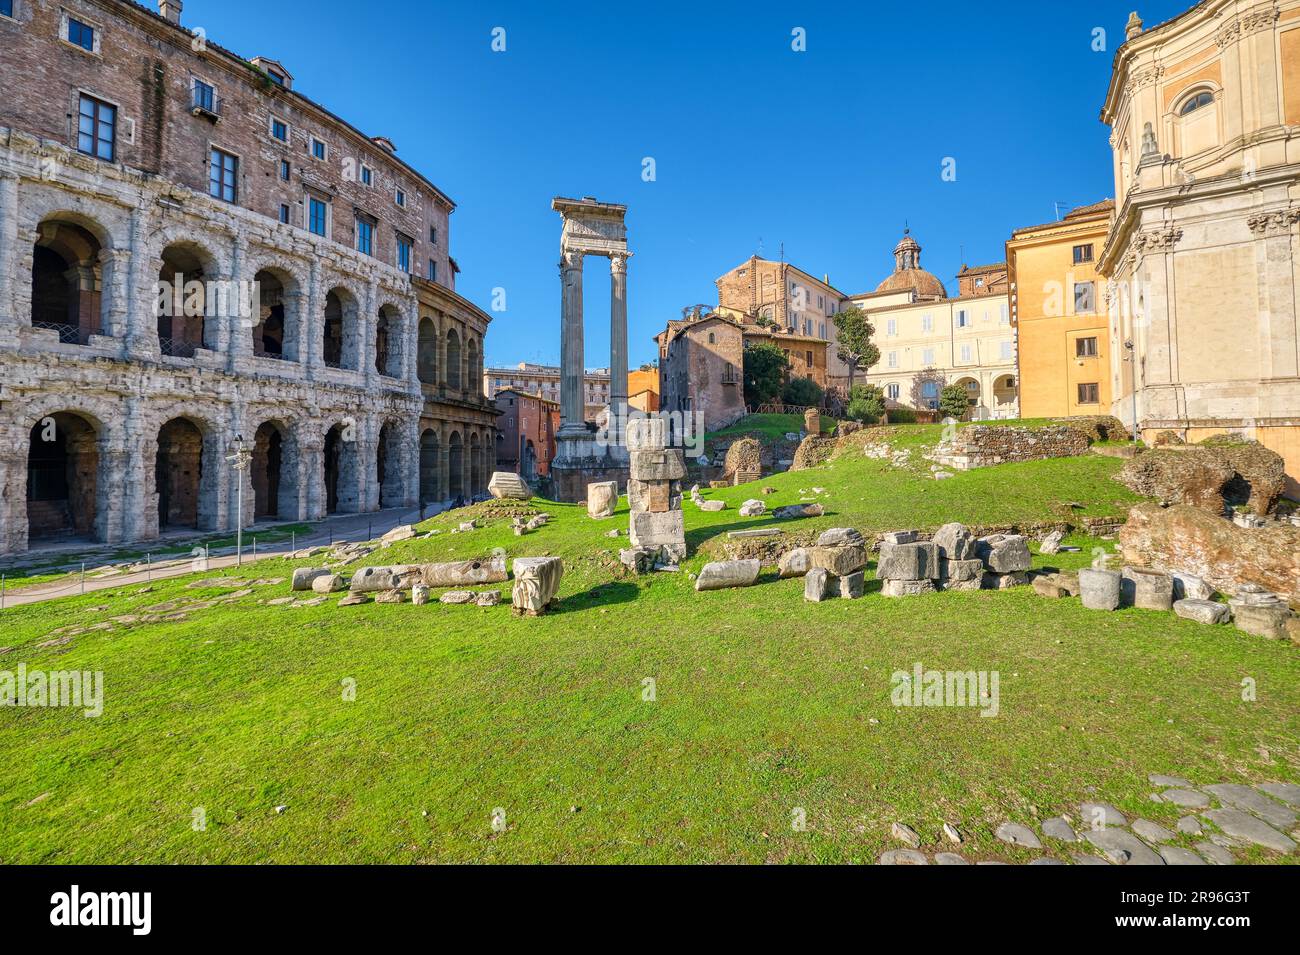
{"x":390,"y":339}
{"x":341,"y":328}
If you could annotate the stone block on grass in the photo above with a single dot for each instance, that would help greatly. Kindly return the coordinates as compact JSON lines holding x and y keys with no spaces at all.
{"x":1099,"y":588}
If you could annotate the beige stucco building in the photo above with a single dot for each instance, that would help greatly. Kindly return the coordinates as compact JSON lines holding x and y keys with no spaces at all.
{"x":967,"y":340}
{"x":1202,"y":259}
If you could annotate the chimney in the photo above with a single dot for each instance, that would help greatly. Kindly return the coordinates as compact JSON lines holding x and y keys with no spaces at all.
{"x":171,"y":9}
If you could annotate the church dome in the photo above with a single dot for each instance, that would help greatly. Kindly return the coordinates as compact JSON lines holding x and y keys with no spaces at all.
{"x":908,"y":274}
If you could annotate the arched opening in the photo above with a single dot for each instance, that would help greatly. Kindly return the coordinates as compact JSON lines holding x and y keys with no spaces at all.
{"x":67,"y":282}
{"x":268,"y":459}
{"x":182,"y":300}
{"x":475,"y":463}
{"x":388,"y":467}
{"x":340,"y":469}
{"x":529,"y":469}
{"x":1004,"y":392}
{"x":1197,"y":122}
{"x":429,"y":466}
{"x":275,"y":334}
{"x":453,"y":359}
{"x":388,"y":357}
{"x":340,"y":346}
{"x":455,"y":466}
{"x":62,"y":478}
{"x":471,"y":355}
{"x":426,"y":364}
{"x":178,"y":474}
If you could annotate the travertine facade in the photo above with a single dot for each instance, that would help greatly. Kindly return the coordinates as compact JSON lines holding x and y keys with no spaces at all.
{"x":353,"y":382}
{"x":1204,"y":250}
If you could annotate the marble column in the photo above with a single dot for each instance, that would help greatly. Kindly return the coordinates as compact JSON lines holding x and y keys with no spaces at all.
{"x":617,"y":345}
{"x":571,"y":356}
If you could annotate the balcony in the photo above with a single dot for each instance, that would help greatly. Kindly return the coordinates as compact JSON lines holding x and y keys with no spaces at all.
{"x":204,"y":102}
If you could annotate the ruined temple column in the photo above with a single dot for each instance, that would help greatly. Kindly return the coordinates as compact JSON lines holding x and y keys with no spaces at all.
{"x":617,"y":345}
{"x":571,"y":357}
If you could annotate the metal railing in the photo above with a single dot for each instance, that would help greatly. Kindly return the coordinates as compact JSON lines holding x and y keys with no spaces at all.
{"x":177,"y":348}
{"x":205,"y":101}
{"x":68,"y":334}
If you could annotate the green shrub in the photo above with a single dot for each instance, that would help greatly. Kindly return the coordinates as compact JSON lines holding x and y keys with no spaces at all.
{"x":802,"y":391}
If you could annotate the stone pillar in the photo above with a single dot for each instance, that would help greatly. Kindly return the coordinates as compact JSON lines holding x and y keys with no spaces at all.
{"x":237,"y":328}
{"x":444,"y":460}
{"x":411,"y":348}
{"x":13,"y":495}
{"x":139,"y":499}
{"x":617,"y":346}
{"x":410,"y":445}
{"x":141,"y":318}
{"x":115,"y":269}
{"x":571,"y":356}
{"x":310,"y":343}
{"x":10,"y":274}
{"x":368,"y":330}
{"x":310,"y":440}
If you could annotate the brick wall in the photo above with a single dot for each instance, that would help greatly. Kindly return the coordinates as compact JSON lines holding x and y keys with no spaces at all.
{"x":145,"y":67}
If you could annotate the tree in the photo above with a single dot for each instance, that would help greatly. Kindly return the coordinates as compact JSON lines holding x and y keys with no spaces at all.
{"x":855,"y":348}
{"x":927,"y":385}
{"x":954,"y":402}
{"x":765,"y":368}
{"x":866,"y":404}
{"x":802,"y":391}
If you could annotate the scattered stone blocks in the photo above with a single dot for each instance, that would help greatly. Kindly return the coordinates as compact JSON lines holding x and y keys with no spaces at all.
{"x":654,"y":491}
{"x":916,"y":561}
{"x":464,"y":573}
{"x":1190,"y":587}
{"x":1202,"y":611}
{"x":1260,"y":618}
{"x":853,"y":586}
{"x":303,"y":576}
{"x":420,"y":595}
{"x":1004,"y":553}
{"x":907,"y":588}
{"x":753,"y":508}
{"x":955,"y":542}
{"x":507,"y":484}
{"x":1014,"y":578}
{"x":794,"y":563}
{"x":724,"y":574}
{"x":816,"y":585}
{"x":840,"y":537}
{"x":1146,"y":589}
{"x":602,"y":499}
{"x":537,"y":582}
{"x":328,"y":584}
{"x":1099,"y":589}
{"x":838,"y":560}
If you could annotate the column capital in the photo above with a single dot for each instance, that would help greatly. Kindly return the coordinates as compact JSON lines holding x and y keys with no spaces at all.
{"x":618,"y":261}
{"x":571,"y":259}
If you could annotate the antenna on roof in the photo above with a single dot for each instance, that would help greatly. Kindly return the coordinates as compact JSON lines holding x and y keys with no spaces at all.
{"x":759,"y":253}
{"x":783,"y":253}
{"x":1058,"y":205}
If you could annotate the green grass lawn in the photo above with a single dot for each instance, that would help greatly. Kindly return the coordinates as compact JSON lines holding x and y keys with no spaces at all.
{"x":772,"y":426}
{"x":764,"y":704}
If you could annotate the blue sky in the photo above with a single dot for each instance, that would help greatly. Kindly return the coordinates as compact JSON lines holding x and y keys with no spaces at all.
{"x":827,"y":151}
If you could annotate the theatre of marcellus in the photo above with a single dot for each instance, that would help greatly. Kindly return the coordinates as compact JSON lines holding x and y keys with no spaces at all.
{"x":194,"y":255}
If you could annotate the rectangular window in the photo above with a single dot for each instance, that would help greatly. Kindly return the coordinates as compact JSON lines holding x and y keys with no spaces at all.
{"x":284,"y":169}
{"x":963,"y":320}
{"x":280,"y":129}
{"x":893,"y":359}
{"x":404,"y":253}
{"x":318,"y":216}
{"x":1088,"y":393}
{"x":433,"y":235}
{"x":400,"y":198}
{"x":808,"y":358}
{"x":433,"y":271}
{"x":891,"y":327}
{"x":927,"y":356}
{"x":365,"y":237}
{"x":927,"y":323}
{"x":1085,"y":348}
{"x":205,"y":97}
{"x":6,"y":8}
{"x":1004,"y":350}
{"x":96,"y":128}
{"x":891,"y":392}
{"x":317,"y":148}
{"x":81,"y":34}
{"x":965,"y":353}
{"x":284,"y":213}
{"x":366,"y":175}
{"x":1084,"y":298}
{"x":1003,"y":318}
{"x":223,"y":176}
{"x":1082,"y":254}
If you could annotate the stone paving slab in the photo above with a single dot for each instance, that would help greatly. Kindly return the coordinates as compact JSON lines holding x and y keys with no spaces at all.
{"x":1241,"y":825}
{"x":1252,"y":800}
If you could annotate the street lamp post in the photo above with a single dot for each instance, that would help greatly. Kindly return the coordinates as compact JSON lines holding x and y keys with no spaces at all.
{"x":1133,"y":375}
{"x":239,"y":460}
